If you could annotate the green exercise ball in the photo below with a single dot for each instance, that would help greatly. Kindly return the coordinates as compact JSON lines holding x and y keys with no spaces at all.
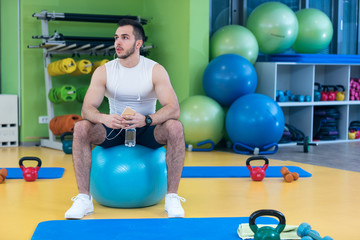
{"x":203,"y":119}
{"x":275,"y":27}
{"x":234,"y":39}
{"x":315,"y":31}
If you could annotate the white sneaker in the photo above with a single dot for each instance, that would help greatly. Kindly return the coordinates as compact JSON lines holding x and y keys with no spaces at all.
{"x":81,"y":207}
{"x":173,"y":206}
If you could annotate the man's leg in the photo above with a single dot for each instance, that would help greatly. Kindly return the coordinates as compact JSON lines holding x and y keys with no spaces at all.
{"x":171,"y":133}
{"x":85,"y":134}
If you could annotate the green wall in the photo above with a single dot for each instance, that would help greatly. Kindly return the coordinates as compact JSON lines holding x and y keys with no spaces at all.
{"x":179,"y":31}
{"x":9,"y":47}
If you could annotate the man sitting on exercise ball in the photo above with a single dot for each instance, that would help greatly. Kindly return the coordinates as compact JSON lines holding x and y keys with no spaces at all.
{"x":135,"y":81}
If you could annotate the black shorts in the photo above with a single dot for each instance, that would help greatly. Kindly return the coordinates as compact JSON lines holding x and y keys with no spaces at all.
{"x":144,"y":136}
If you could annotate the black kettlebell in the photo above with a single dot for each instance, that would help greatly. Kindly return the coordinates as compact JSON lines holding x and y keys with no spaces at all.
{"x":267,"y":233}
{"x":67,"y":144}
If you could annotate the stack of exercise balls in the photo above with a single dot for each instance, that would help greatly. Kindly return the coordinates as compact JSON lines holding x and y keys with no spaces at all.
{"x":231,"y":108}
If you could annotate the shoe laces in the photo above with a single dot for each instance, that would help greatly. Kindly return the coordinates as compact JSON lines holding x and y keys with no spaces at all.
{"x":78,"y":200}
{"x":177,"y":197}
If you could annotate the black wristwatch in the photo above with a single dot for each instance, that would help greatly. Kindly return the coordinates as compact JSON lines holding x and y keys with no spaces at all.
{"x":148,"y":120}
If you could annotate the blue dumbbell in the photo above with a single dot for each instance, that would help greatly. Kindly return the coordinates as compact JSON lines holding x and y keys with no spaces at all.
{"x":281,"y":96}
{"x":305,"y":230}
{"x":299,"y":98}
{"x":288,"y":93}
{"x":310,"y":238}
{"x":306,"y":238}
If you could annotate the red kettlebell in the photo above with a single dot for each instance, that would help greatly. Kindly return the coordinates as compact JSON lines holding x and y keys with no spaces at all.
{"x":332,"y":91}
{"x":30,"y":173}
{"x":257,"y":173}
{"x":324,"y":93}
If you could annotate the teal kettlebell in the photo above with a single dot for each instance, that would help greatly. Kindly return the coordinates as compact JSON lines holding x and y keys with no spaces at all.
{"x":267,"y":233}
{"x":66,"y":144}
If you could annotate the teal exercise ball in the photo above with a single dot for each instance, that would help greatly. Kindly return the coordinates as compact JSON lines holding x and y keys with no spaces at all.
{"x":315,"y":31}
{"x":234,"y":39}
{"x":128,"y":177}
{"x":203,"y":119}
{"x":275,"y":27}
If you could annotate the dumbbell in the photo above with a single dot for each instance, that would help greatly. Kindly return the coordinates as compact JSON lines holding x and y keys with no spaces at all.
{"x":298,"y":98}
{"x":301,"y":98}
{"x":289,"y":176}
{"x":304,"y":230}
{"x":281,"y":96}
{"x":3,"y":174}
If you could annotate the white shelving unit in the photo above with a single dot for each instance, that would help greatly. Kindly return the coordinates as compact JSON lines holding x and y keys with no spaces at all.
{"x":51,"y":46}
{"x":299,"y":78}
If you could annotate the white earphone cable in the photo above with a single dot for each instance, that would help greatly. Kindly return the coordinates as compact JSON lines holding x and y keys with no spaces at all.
{"x":114,"y":103}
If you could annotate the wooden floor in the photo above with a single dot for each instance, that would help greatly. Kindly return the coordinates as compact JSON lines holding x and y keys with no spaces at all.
{"x":329,"y":200}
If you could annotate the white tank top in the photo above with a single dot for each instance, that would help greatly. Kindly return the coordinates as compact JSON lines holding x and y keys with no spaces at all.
{"x":131,"y":87}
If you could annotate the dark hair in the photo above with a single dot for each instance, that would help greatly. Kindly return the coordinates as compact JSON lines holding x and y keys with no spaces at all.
{"x":138,"y":29}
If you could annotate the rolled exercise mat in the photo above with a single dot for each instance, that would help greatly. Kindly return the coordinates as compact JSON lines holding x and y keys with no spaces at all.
{"x":65,"y":93}
{"x":150,"y":229}
{"x":82,"y":67}
{"x":61,"y":67}
{"x":236,"y":172}
{"x":64,"y":123}
{"x":98,"y":64}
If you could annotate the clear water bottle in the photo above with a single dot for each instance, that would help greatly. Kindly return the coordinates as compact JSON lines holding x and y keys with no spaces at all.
{"x":130,"y":137}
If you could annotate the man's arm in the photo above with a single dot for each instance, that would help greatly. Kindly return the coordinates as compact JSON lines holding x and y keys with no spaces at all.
{"x":94,"y":97}
{"x":167,"y":98}
{"x":166,"y":95}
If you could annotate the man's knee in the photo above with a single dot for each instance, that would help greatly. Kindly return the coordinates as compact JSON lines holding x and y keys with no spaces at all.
{"x":174,"y":128}
{"x":82,"y":129}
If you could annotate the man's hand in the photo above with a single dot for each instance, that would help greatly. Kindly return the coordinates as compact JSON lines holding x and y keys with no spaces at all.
{"x":133,"y":121}
{"x":114,"y":121}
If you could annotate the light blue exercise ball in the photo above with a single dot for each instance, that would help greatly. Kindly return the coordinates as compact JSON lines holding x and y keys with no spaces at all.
{"x":128,"y":177}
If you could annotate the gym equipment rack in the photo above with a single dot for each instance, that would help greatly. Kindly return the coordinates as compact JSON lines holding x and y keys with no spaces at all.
{"x":58,"y":44}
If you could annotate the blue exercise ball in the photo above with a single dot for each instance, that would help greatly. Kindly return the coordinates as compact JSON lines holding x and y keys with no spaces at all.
{"x":255,"y":120}
{"x":128,"y":177}
{"x":228,"y":77}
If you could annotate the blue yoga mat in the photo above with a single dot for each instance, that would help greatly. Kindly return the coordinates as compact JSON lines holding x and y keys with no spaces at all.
{"x":237,"y":172}
{"x":44,"y":173}
{"x":152,"y":229}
